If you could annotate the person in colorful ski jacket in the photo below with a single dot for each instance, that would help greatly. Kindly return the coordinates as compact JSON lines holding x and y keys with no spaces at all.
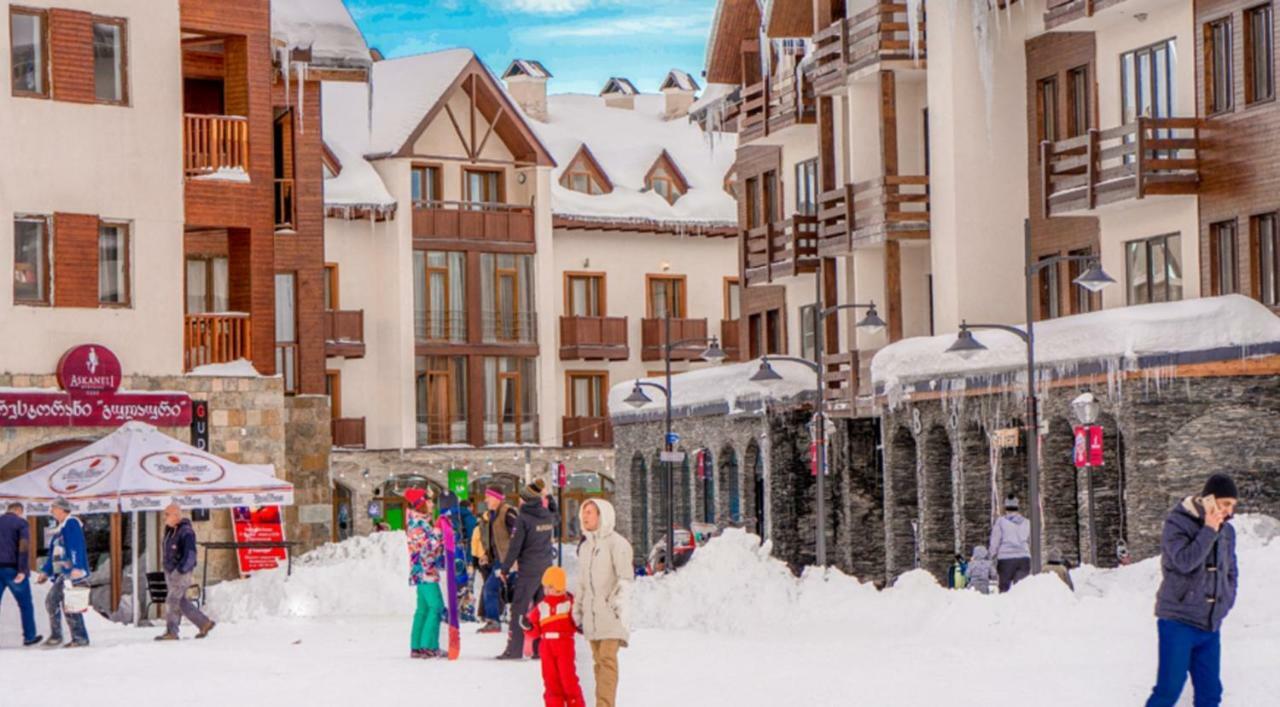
{"x":980,"y":573}
{"x":1011,"y":545}
{"x":1197,"y":590}
{"x":551,"y":622}
{"x":605,"y":573}
{"x":426,"y":560}
{"x":66,"y":563}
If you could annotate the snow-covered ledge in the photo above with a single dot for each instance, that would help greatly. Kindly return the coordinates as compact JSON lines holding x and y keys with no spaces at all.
{"x":715,"y":390}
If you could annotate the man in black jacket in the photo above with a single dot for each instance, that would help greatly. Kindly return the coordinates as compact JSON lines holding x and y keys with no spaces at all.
{"x":179,"y":572}
{"x":15,"y":577}
{"x":530,"y":554}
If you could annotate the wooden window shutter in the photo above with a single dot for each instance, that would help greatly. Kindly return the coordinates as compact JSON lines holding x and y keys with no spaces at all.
{"x":75,"y":260}
{"x":71,"y":55}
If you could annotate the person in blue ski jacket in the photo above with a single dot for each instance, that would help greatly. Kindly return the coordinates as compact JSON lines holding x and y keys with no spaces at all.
{"x":66,"y":563}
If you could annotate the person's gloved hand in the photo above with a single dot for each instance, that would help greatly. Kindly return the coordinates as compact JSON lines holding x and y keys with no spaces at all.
{"x":524,"y":623}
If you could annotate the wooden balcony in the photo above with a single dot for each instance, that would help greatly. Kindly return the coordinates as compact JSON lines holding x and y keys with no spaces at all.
{"x":893,"y":207}
{"x":876,"y":38}
{"x":775,"y":104}
{"x":779,"y":249}
{"x":594,"y":339}
{"x":348,"y":432}
{"x":216,"y":338}
{"x":1061,"y":12}
{"x":344,"y":333}
{"x":286,"y":219}
{"x":1150,"y":156}
{"x":470,"y":221}
{"x":652,"y":341}
{"x":586,"y":432}
{"x":730,"y":337}
{"x":847,"y":390}
{"x":214,"y":143}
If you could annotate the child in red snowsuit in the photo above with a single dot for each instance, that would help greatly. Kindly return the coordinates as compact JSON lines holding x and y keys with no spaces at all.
{"x":552,"y":621}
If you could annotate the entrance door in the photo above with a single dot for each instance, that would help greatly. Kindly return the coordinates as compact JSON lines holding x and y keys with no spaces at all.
{"x":287,"y":330}
{"x":758,"y":480}
{"x":343,"y":520}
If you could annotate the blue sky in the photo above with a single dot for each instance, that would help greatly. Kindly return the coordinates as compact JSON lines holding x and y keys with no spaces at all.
{"x":582,"y":42}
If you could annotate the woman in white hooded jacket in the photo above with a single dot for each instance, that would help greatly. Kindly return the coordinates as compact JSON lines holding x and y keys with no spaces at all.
{"x":605,"y":572}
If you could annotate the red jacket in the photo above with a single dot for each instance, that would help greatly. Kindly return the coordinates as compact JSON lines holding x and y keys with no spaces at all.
{"x":552,"y":619}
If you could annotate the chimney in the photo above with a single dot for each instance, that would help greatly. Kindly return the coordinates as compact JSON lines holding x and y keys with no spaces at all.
{"x":680,"y":91}
{"x":619,"y":93}
{"x":526,"y":81}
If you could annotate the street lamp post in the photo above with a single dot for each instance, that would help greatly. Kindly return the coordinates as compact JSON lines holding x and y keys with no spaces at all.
{"x":1093,"y":280}
{"x":766,"y":374}
{"x":714,"y":355}
{"x":1086,"y":409}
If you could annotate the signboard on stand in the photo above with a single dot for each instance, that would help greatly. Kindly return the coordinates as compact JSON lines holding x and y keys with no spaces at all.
{"x":1088,"y":445}
{"x":258,"y":524}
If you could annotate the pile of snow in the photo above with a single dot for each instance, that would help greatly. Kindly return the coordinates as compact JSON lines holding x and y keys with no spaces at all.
{"x":406,"y":89}
{"x":239,"y":368}
{"x":323,"y":25}
{"x":1122,"y":334}
{"x":727,"y":386}
{"x":225,"y":174}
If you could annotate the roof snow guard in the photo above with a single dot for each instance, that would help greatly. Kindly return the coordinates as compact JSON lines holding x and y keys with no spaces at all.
{"x":620,"y":87}
{"x":680,"y":80}
{"x":1110,"y":344}
{"x":716,"y":390}
{"x":526,"y":68}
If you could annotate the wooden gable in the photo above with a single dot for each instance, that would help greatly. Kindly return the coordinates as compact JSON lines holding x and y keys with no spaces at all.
{"x":736,"y":21}
{"x":789,"y":19}
{"x":584,"y":161}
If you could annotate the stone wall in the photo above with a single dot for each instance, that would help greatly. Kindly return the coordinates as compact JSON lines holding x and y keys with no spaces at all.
{"x":308,"y":441}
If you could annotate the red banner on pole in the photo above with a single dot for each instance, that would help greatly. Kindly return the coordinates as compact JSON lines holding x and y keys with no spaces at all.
{"x":1080,"y":450}
{"x":1087,"y":450}
{"x":258,"y":524}
{"x":1095,"y":445}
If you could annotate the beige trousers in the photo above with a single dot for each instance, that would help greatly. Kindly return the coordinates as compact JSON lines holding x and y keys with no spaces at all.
{"x":605,"y":656}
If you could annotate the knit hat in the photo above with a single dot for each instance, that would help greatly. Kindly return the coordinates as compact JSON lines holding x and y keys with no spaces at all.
{"x":416,"y":497}
{"x":1011,"y":503}
{"x":533,"y":491}
{"x":496,"y":493}
{"x":555,"y":578}
{"x":65,"y":505}
{"x":1220,"y":486}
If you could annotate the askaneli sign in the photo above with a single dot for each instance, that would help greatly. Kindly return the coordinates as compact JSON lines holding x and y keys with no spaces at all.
{"x":90,"y":376}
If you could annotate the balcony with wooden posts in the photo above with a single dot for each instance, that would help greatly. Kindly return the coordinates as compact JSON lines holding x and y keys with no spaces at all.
{"x":348,"y":432}
{"x":593,"y":339}
{"x":780,"y":249}
{"x":216,"y":147}
{"x":472,"y":221}
{"x":652,"y":339}
{"x":1147,"y":157}
{"x":876,"y":38}
{"x":730,"y":339}
{"x":847,"y":390}
{"x":891,"y":207}
{"x":344,"y":333}
{"x":216,"y":338}
{"x":586,"y":431}
{"x":775,"y":104}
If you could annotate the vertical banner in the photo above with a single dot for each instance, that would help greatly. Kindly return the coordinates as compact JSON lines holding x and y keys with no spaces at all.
{"x":258,"y":524}
{"x":1080,"y":450}
{"x":1095,"y":445}
{"x":200,"y":425}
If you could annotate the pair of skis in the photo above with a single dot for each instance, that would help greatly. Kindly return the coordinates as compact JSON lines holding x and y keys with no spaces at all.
{"x":451,"y":579}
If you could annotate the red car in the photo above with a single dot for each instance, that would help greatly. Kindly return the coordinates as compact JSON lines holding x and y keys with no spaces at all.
{"x":686,"y":542}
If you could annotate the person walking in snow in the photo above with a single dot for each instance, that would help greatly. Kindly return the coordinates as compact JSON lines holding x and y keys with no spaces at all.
{"x":552,"y":621}
{"x":497,"y":526}
{"x":531,"y":553}
{"x":980,"y":573}
{"x":15,"y":575}
{"x":426,"y":558}
{"x":1197,"y":591}
{"x":1055,"y":563}
{"x":1010,"y":545}
{"x":66,"y":564}
{"x":605,"y":572}
{"x":179,"y":573}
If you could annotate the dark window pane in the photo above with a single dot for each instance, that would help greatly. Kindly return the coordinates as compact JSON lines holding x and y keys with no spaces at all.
{"x":108,"y":55}
{"x":27,"y":54}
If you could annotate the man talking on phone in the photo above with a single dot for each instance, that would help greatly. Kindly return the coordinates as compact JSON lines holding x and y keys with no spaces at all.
{"x":1198,"y":564}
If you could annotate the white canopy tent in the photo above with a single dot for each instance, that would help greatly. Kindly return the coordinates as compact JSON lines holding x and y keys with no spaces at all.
{"x":139,"y":468}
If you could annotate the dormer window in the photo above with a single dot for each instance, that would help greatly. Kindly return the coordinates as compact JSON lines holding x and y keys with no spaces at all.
{"x":665,"y":179}
{"x":585,"y":175}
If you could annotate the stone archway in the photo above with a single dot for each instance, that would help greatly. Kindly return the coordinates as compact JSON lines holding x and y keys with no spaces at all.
{"x":756,"y":511}
{"x":639,"y":485}
{"x":939,"y":534}
{"x":904,"y":513}
{"x":1108,"y":490}
{"x":1013,"y":470}
{"x":1058,"y":481}
{"x":729,"y":482}
{"x":976,"y":486}
{"x":685,"y":491}
{"x":660,"y":500}
{"x":704,"y":486}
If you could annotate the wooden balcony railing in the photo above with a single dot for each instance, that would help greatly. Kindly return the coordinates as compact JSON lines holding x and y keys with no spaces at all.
{"x":285,"y":209}
{"x":509,"y":327}
{"x":348,"y":432}
{"x":344,"y":333}
{"x":780,"y":249}
{"x":870,"y":212}
{"x":874,"y":36}
{"x":594,"y":339}
{"x":442,"y":429}
{"x":1148,"y":156}
{"x":730,"y":336}
{"x":775,"y":104}
{"x":215,"y":142}
{"x":652,"y":340}
{"x":1059,"y":12}
{"x":586,"y":432}
{"x":216,"y":338}
{"x":847,"y":387}
{"x":472,"y":221}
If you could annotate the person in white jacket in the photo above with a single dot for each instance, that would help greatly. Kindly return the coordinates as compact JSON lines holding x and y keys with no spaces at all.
{"x":605,"y":572}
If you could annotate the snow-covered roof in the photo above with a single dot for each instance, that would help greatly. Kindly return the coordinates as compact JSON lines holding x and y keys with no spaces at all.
{"x":618,"y":85}
{"x":680,"y":80}
{"x":626,"y":143}
{"x":1233,"y":325}
{"x":714,"y":390}
{"x":406,"y":89}
{"x":346,"y":132}
{"x":526,"y":67}
{"x":323,"y":25}
{"x":714,"y":93}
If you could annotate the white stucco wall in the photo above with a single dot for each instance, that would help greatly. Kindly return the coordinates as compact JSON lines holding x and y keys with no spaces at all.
{"x":120,"y":163}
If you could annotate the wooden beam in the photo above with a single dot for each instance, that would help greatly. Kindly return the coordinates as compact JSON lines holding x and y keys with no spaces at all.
{"x":473,"y":117}
{"x":496,"y":117}
{"x":117,"y":562}
{"x":458,"y":129}
{"x":888,"y":123}
{"x":893,"y":288}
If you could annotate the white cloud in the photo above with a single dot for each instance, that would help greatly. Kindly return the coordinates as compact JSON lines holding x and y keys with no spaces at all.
{"x":689,"y":25}
{"x":547,"y":6}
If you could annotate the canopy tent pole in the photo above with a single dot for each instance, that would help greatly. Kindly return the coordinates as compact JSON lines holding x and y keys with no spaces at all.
{"x":133,"y":551}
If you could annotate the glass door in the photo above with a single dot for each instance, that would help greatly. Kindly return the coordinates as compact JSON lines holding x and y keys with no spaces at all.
{"x":287,"y":329}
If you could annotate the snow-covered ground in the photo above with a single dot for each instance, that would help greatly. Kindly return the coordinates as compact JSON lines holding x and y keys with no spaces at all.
{"x":732,"y":628}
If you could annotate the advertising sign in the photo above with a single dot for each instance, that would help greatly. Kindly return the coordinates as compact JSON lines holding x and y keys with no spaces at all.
{"x":1087,"y":450}
{"x":258,"y":524}
{"x":458,"y":483}
{"x":200,"y":425}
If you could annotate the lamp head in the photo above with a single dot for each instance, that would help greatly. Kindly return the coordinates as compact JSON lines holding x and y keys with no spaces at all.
{"x":765,"y":374}
{"x":872,"y":323}
{"x":965,"y":345}
{"x":1086,"y":408}
{"x":714,"y":354}
{"x":1094,"y":279}
{"x":637,"y":398}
